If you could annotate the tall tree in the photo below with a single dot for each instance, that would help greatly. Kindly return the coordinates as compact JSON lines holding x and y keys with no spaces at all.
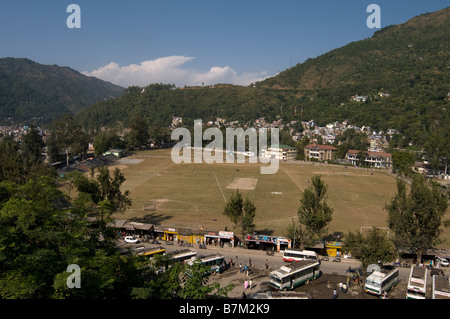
{"x":33,"y":146}
{"x":241,"y":212}
{"x":314,"y":213}
{"x":416,"y":217}
{"x":105,"y":191}
{"x":370,"y":249}
{"x":138,"y":136}
{"x":67,"y":136}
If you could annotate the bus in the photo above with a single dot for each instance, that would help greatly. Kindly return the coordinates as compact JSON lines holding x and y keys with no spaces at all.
{"x":441,"y":287}
{"x":290,"y":276}
{"x":182,"y":255}
{"x":216,"y":262}
{"x":291,"y":255}
{"x":417,"y":283}
{"x":151,"y":252}
{"x":381,"y":281}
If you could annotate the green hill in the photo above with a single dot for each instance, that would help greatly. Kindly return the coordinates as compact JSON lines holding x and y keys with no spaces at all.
{"x":39,"y":93}
{"x":410,"y":62}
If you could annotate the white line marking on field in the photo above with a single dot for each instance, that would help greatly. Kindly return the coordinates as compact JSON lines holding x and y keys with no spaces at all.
{"x":224,"y":199}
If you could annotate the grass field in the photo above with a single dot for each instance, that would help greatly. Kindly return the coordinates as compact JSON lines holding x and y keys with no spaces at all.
{"x":194,"y":195}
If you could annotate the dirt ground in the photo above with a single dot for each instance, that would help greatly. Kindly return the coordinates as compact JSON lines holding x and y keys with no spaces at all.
{"x":321,"y":288}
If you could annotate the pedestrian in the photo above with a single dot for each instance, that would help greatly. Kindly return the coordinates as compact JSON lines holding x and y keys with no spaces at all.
{"x":231,"y":262}
{"x":240,"y":268}
{"x":334,"y":294}
{"x":246,"y":269}
{"x":344,"y":288}
{"x":250,"y":283}
{"x":267,"y":264}
{"x":245,"y":284}
{"x":249,"y":262}
{"x":340,"y":286}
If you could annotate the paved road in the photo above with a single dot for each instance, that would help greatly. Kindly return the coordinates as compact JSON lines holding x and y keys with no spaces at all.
{"x":259,"y":257}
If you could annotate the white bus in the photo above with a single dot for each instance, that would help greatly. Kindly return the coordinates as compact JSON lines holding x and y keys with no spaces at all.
{"x":441,"y":287}
{"x":216,"y":262}
{"x":417,"y":283}
{"x":381,"y":281}
{"x":182,"y":255}
{"x":291,"y":255}
{"x":293,"y":275}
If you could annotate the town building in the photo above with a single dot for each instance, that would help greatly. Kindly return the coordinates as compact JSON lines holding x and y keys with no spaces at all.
{"x":321,"y":153}
{"x":371,"y":159}
{"x":281,"y":152}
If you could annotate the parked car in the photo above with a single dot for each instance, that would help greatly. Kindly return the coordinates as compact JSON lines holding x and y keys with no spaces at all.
{"x":442,"y":261}
{"x":131,"y":240}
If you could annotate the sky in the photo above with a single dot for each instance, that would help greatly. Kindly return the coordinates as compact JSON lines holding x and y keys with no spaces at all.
{"x":190,"y":42}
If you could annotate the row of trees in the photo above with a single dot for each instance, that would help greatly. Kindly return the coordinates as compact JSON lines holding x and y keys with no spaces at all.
{"x":68,"y":139}
{"x":415,"y":217}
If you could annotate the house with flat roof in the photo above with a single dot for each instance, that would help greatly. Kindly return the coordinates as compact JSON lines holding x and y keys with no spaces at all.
{"x":281,"y":152}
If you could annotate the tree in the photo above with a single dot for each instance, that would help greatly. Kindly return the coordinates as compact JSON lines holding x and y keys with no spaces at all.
{"x":32,"y":147}
{"x":241,"y":212}
{"x":107,"y":140}
{"x":416,"y":217}
{"x":67,"y":137}
{"x":105,"y":191}
{"x":403,"y":162}
{"x":314,"y":213}
{"x":437,"y":148}
{"x":138,"y":136}
{"x":370,"y":249}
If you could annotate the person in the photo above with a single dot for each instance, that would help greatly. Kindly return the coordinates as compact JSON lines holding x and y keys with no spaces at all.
{"x":344,"y":288}
{"x":249,"y":262}
{"x":334,"y":294}
{"x":250,"y":283}
{"x":267,"y":264}
{"x":245,"y":284}
{"x":340,"y":286}
{"x":240,"y":268}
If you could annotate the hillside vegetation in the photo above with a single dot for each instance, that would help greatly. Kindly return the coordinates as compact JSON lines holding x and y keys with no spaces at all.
{"x":32,"y":92}
{"x":410,"y":62}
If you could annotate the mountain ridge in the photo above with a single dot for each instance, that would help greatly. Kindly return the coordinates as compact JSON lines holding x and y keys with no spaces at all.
{"x":44,"y":92}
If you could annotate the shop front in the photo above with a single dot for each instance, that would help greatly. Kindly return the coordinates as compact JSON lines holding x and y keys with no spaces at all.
{"x":226,"y":238}
{"x":212,"y":238}
{"x":333,"y":248}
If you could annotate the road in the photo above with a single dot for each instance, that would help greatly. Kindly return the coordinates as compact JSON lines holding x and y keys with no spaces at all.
{"x":258,"y":258}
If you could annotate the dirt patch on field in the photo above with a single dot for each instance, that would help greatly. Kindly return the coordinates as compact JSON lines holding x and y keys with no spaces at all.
{"x":243,"y":183}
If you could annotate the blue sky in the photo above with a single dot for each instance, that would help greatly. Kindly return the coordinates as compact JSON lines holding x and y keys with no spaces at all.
{"x":138,"y":42}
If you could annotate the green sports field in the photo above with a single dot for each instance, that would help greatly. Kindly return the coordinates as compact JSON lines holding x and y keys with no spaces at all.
{"x":194,"y":195}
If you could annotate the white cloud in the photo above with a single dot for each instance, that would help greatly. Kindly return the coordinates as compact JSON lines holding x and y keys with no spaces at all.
{"x":170,"y":70}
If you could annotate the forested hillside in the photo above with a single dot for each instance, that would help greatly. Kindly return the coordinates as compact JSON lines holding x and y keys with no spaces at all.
{"x":408,"y":63}
{"x":32,"y":92}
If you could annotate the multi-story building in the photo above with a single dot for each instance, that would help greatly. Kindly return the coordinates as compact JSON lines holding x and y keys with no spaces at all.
{"x":372,"y":159}
{"x":320,"y":152}
{"x":282,"y":152}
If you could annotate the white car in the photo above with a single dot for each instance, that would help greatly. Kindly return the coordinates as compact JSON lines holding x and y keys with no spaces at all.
{"x":131,"y":240}
{"x":442,"y":261}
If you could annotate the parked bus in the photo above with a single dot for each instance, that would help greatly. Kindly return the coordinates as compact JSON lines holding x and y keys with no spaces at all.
{"x":417,"y":283}
{"x":441,"y":287}
{"x":151,"y":252}
{"x":291,"y":255}
{"x":381,"y":281}
{"x":216,"y":262}
{"x":182,"y":255}
{"x":290,"y":276}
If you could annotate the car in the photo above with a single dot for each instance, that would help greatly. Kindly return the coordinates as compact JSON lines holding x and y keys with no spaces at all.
{"x":131,"y":240}
{"x":442,"y":261}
